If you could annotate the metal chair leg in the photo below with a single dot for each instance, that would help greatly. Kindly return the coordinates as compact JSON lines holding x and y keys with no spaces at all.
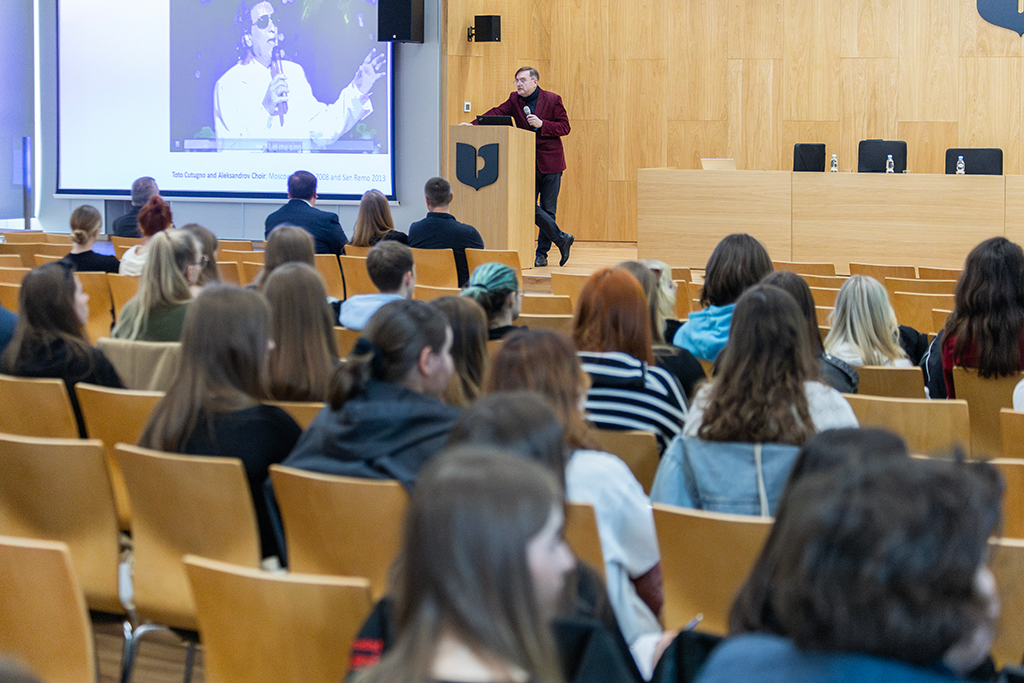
{"x":190,"y":658}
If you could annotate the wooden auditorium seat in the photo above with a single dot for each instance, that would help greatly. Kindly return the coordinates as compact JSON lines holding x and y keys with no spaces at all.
{"x":32,"y":406}
{"x":929,"y":427}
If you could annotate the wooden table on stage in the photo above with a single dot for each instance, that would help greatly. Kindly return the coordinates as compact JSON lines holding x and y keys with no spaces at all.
{"x":919,"y":219}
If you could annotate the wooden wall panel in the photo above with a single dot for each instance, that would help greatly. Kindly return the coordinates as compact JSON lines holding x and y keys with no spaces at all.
{"x":754,"y":112}
{"x":810,"y":87}
{"x":756,"y":28}
{"x":579,"y":56}
{"x":869,"y":104}
{"x":641,"y":30}
{"x":637,"y":135}
{"x":690,"y":141}
{"x":992,"y":119}
{"x":928,"y":60}
{"x":978,"y":38}
{"x":869,"y":28}
{"x":927,"y":142}
{"x":620,"y":225}
{"x":696,"y":60}
{"x":583,"y":200}
{"x":535,"y":36}
{"x":792,"y":132}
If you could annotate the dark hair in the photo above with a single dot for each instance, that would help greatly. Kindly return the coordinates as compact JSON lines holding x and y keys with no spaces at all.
{"x":883,"y":560}
{"x":469,"y":347}
{"x":209,"y":243}
{"x":490,"y":285}
{"x":389,"y":348}
{"x":533,"y":72}
{"x":738,"y":262}
{"x":438,"y":192}
{"x":463,"y":566}
{"x":988,"y":308}
{"x":758,"y":394}
{"x":374,"y":219}
{"x":287,"y":244}
{"x":827,"y":451}
{"x":797,"y":288}
{"x":520,"y":422}
{"x":302,"y":185}
{"x":223,"y":352}
{"x":85,"y":222}
{"x":387,"y":263}
{"x":143,"y":189}
{"x":612,"y":314}
{"x":155,"y":216}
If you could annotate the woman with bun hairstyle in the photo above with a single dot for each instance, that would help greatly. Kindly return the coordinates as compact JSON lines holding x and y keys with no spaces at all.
{"x":154,"y":217}
{"x":85,"y":229}
{"x":374,"y":222}
{"x":496,"y":288}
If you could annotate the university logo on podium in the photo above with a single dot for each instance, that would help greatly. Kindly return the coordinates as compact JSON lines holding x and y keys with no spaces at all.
{"x":1003,"y":13}
{"x":465,"y":165}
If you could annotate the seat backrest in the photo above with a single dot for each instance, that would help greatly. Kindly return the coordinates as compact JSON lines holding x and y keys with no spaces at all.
{"x":985,"y":397}
{"x":929,"y":273}
{"x":872,"y":155}
{"x":900,"y":284}
{"x":250,"y":271}
{"x":31,"y":406}
{"x":357,"y":278}
{"x":43,"y":259}
{"x":876,"y":380}
{"x":122,"y":289}
{"x":261,"y":626}
{"x":929,"y":427}
{"x":10,"y":261}
{"x":977,"y":160}
{"x":547,"y":304}
{"x":125,"y":241}
{"x":230,"y":272}
{"x":116,"y":416}
{"x":880,"y":271}
{"x":427,"y":293}
{"x":13,"y":276}
{"x":705,"y":558}
{"x":59,"y":489}
{"x":147,"y":366}
{"x":330,"y":270}
{"x":346,"y":339}
{"x":13,"y":236}
{"x":583,"y":536}
{"x":302,"y":412}
{"x":43,"y":618}
{"x":353,"y":250}
{"x":570,"y":285}
{"x":809,"y":156}
{"x":435,"y":267}
{"x":1007,"y":565}
{"x":915,"y":310}
{"x":340,"y":525}
{"x":682,"y":273}
{"x":235,"y":245}
{"x":639,"y":450}
{"x":556,"y":323}
{"x":477,"y":257}
{"x":101,"y":304}
{"x":1011,"y":426}
{"x":827,"y":269}
{"x":683,"y":305}
{"x":824,"y":296}
{"x":1013,"y":496}
{"x":9,"y":296}
{"x":183,"y":504}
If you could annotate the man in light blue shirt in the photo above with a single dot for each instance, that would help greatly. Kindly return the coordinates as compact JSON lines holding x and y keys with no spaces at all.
{"x":393,"y":272}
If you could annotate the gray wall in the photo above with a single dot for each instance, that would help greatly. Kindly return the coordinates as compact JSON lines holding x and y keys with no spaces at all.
{"x":417,"y":142}
{"x":16,"y":104}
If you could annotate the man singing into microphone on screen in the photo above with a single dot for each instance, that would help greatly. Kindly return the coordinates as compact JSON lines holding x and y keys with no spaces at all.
{"x":266,"y":97}
{"x":542,"y":112}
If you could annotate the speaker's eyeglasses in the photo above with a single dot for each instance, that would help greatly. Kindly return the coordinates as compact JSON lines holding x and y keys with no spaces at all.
{"x":265,"y":20}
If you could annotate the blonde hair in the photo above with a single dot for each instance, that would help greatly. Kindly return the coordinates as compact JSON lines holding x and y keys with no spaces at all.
{"x":163,"y":282}
{"x":85,"y":223}
{"x":863,"y":318}
{"x":666,"y":293}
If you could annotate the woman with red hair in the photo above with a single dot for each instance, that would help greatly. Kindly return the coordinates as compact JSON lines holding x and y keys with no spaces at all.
{"x":154,"y":217}
{"x":612,"y":331}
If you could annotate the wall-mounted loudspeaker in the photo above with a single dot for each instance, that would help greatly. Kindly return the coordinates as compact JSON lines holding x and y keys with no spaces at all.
{"x":400,"y":21}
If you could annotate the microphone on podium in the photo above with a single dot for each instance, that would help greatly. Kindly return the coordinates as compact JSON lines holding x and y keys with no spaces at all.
{"x":277,"y":68}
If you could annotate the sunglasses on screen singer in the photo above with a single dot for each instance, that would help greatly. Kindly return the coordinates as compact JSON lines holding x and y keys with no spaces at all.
{"x":265,"y":20}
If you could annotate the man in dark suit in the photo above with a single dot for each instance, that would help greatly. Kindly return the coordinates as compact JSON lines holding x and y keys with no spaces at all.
{"x":324,"y":226}
{"x":542,"y":112}
{"x":440,"y":230}
{"x":128,"y":225}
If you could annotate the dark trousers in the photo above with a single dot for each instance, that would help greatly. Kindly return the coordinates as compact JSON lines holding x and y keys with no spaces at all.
{"x":548,"y":185}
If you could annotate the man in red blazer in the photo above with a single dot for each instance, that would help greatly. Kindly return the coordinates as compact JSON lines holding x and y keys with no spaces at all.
{"x":542,"y":112}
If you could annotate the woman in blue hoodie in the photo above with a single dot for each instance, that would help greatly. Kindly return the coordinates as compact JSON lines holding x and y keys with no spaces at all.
{"x":738,"y":262}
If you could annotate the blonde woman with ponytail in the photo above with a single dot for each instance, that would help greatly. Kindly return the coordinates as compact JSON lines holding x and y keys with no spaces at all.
{"x":168,"y":283}
{"x":85,"y":228}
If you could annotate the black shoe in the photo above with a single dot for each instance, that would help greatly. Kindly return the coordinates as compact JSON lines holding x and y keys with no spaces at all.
{"x":541,"y":261}
{"x":564,"y":247}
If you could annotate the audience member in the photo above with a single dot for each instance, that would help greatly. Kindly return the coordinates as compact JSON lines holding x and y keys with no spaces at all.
{"x":738,"y":262}
{"x":612,"y":331}
{"x":157,"y":311}
{"x":49,"y":339}
{"x":482,"y":570}
{"x":469,"y":348}
{"x":546,"y":362}
{"x":496,"y":288}
{"x":213,"y":406}
{"x":393,"y":272}
{"x":385,"y":420}
{"x":305,"y":350}
{"x":374,"y":222}
{"x":143,"y":189}
{"x":862,"y":582}
{"x":154,"y":217}
{"x":8,"y":321}
{"x":209,"y":244}
{"x":667,"y":291}
{"x":864,"y":328}
{"x":440,"y":230}
{"x":300,"y":211}
{"x":286,"y":244}
{"x":837,"y":373}
{"x":85,"y":228}
{"x":986,"y":329}
{"x":678,"y":361}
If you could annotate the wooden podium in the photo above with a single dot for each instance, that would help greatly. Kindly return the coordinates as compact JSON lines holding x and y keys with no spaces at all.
{"x":503,"y":210}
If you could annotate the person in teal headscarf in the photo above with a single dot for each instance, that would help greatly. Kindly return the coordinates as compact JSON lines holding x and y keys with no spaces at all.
{"x":496,"y":288}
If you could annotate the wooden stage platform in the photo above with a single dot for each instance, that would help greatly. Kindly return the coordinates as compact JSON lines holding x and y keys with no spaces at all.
{"x":585,"y":258}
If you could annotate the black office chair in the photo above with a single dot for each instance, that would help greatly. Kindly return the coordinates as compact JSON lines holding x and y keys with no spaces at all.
{"x":977,"y":160}
{"x":872,"y":155}
{"x":809,"y":156}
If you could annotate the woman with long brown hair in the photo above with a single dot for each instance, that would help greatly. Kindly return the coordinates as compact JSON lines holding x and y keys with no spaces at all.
{"x":374,"y":222}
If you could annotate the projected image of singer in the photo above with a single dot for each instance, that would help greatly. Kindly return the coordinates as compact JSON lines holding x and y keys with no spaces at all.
{"x":267,"y":97}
